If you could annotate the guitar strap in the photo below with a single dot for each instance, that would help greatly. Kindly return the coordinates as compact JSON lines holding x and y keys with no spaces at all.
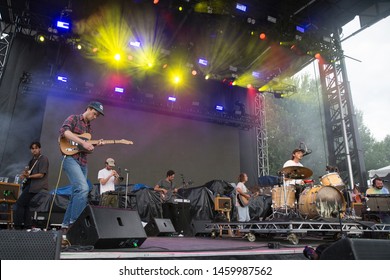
{"x":35,"y":163}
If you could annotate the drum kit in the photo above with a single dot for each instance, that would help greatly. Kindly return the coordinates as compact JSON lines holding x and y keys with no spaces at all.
{"x":313,"y":201}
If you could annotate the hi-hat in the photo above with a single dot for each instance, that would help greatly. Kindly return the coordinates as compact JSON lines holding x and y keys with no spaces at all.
{"x":296,"y":172}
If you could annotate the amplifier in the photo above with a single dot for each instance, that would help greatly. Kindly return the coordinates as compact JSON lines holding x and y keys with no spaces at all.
{"x":378,"y":203}
{"x":222,"y":204}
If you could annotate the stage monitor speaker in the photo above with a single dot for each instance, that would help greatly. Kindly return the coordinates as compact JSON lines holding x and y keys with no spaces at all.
{"x":179,"y":214}
{"x":199,"y":227}
{"x":159,"y":227}
{"x":357,"y":249}
{"x":23,"y":245}
{"x":107,"y":228}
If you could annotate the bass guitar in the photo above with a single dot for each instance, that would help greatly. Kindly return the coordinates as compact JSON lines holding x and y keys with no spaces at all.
{"x":243,"y":201}
{"x":71,"y":148}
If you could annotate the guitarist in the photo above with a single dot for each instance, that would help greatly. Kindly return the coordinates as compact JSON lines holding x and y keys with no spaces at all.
{"x":75,"y":166}
{"x":35,"y":179}
{"x":242,"y":192}
{"x":166,"y":187}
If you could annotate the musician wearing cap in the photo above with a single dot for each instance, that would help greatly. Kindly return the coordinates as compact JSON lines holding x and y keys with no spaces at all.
{"x":108,"y":178}
{"x":377,"y":188}
{"x":75,"y":166}
{"x":294,"y":171}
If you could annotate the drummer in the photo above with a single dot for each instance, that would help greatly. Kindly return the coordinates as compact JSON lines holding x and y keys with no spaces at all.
{"x":296,"y":157}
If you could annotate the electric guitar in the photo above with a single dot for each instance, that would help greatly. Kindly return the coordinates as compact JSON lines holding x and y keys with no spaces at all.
{"x":167,"y":197}
{"x":243,"y":201}
{"x":71,"y":148}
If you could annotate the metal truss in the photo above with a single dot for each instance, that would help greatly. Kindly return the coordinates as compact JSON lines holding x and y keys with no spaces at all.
{"x":6,"y":38}
{"x":344,"y":145}
{"x":261,"y":136}
{"x":302,"y":228}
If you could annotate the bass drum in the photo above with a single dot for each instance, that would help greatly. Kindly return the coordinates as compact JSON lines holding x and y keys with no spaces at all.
{"x":321,"y":201}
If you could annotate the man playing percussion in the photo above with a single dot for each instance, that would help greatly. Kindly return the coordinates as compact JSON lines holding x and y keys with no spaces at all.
{"x":296,"y":157}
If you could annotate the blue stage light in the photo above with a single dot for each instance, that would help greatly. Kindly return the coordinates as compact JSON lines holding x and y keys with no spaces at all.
{"x":219,"y":108}
{"x":63,"y":24}
{"x":119,"y":89}
{"x":203,"y":61}
{"x":62,"y":79}
{"x":172,"y":99}
{"x":241,"y":7}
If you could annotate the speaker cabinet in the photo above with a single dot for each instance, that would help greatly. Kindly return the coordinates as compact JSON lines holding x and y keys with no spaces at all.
{"x":23,"y":245}
{"x":107,"y":228}
{"x":357,"y":249}
{"x":159,"y":227}
{"x":199,"y":227}
{"x":378,"y":204}
{"x":179,"y":214}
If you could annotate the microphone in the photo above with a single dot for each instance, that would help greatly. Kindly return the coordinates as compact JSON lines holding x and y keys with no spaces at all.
{"x":126,"y":170}
{"x":307,"y":152}
{"x":385,"y":181}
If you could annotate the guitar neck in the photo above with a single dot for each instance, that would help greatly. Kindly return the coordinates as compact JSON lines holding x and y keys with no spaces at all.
{"x":95,"y":142}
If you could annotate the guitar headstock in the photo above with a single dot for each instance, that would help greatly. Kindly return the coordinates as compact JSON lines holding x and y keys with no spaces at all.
{"x":124,"y":141}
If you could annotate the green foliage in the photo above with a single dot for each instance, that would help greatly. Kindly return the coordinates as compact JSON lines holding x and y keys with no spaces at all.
{"x":299,"y":118}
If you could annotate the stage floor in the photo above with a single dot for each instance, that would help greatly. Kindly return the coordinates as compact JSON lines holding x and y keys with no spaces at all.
{"x":193,"y":248}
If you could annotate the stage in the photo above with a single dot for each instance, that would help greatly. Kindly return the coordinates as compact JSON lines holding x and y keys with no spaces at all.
{"x":265,"y":240}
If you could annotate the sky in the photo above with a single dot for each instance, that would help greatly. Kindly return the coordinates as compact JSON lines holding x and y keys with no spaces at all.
{"x":369,"y":79}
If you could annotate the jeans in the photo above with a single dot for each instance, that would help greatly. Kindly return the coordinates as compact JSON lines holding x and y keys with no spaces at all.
{"x":22,"y":214}
{"x":77,"y":176}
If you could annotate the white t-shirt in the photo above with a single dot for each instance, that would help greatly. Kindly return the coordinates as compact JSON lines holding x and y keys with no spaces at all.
{"x":293,"y":163}
{"x":110,"y":185}
{"x":243,"y":188}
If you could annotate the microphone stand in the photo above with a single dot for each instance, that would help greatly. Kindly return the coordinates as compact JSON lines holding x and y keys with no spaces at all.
{"x":127,"y":183}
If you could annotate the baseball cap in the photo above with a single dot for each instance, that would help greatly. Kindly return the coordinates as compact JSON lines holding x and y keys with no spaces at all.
{"x":298,"y":150}
{"x":97,"y":106}
{"x":110,"y":162}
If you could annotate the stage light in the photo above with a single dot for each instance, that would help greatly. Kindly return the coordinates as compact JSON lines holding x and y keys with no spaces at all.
{"x":156,"y":2}
{"x":219,"y":107}
{"x":241,"y":7}
{"x":63,"y":24}
{"x":300,"y":29}
{"x":256,"y":74}
{"x":135,"y":44}
{"x":203,"y":61}
{"x":262,"y":36}
{"x":194,"y":73}
{"x":117,"y":57}
{"x":119,"y":90}
{"x":271,"y":19}
{"x":207,"y":77}
{"x":172,"y":99}
{"x":40,"y":38}
{"x":62,"y":79}
{"x":317,"y":56}
{"x":79,"y":47}
{"x":176,"y":79}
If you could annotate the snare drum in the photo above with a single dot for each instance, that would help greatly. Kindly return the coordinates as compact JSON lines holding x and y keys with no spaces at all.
{"x":278,"y":200}
{"x":332,"y":180}
{"x":321,"y":201}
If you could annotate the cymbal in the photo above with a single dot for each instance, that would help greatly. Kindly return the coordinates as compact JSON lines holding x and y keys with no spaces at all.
{"x":296,"y":172}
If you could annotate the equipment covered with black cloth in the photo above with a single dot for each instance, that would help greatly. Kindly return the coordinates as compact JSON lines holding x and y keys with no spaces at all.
{"x":264,"y":181}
